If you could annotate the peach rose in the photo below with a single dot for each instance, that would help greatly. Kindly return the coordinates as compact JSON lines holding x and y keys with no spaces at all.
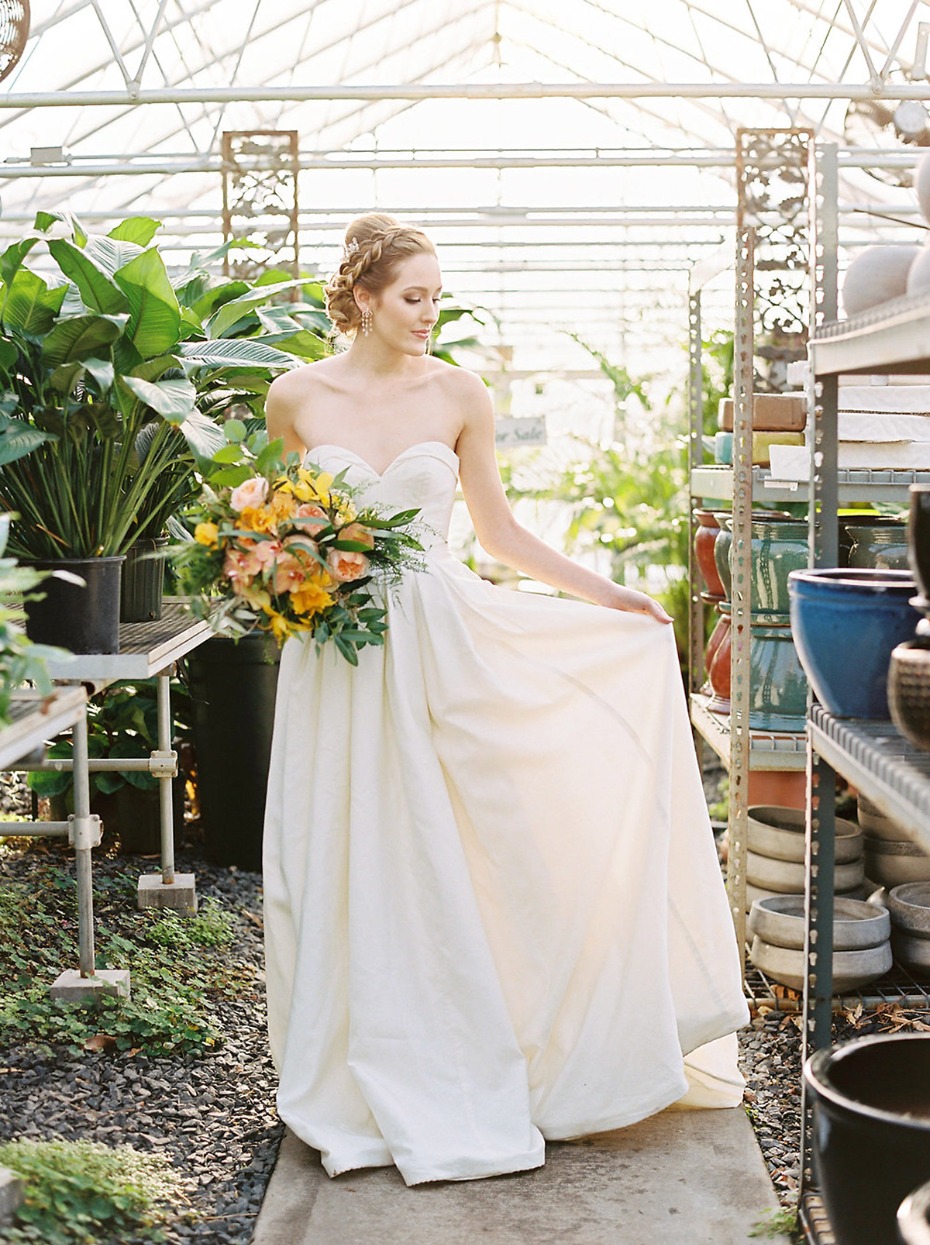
{"x":250,"y":494}
{"x":346,"y":564}
{"x":310,"y":510}
{"x":361,"y":535}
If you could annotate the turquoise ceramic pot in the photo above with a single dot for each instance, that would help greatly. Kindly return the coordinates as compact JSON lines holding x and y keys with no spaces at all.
{"x":777,"y":683}
{"x":845,"y":625}
{"x":779,"y":546}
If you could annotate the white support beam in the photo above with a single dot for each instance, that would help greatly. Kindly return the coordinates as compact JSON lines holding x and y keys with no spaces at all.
{"x":465,"y":91}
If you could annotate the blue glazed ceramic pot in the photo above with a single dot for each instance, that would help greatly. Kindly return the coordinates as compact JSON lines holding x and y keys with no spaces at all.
{"x":845,"y":624}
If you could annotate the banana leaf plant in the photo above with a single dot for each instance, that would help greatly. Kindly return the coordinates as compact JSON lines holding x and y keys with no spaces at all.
{"x":113,"y":374}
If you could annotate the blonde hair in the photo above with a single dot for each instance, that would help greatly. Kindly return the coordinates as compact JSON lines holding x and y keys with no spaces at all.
{"x":374,"y":246}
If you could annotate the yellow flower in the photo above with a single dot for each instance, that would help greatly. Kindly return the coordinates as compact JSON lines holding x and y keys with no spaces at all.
{"x":311,"y":598}
{"x":277,"y":625}
{"x":282,"y":505}
{"x":308,"y":487}
{"x":206,"y":534}
{"x":346,"y":511}
{"x":257,"y":519}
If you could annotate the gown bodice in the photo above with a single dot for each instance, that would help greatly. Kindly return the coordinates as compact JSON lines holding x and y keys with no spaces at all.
{"x":423,"y":475}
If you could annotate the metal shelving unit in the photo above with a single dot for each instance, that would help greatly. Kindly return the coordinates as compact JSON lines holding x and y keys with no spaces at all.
{"x":715,"y":483}
{"x":892,"y":338}
{"x":740,"y":748}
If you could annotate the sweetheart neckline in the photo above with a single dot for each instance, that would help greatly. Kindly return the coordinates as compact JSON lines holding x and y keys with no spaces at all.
{"x":417,"y":445}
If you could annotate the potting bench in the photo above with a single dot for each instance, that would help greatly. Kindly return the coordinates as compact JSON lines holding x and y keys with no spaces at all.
{"x":147,"y":650}
{"x":35,"y":719}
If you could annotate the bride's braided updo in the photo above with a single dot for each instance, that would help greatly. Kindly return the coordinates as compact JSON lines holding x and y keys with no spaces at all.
{"x":375,"y":244}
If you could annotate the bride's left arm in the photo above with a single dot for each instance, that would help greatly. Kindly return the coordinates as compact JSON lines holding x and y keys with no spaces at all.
{"x":504,"y":538}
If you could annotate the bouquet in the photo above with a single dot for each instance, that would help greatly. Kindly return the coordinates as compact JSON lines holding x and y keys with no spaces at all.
{"x":281,"y":547}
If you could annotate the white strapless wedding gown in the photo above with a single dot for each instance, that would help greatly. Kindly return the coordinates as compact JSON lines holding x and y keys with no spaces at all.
{"x":493,"y":908}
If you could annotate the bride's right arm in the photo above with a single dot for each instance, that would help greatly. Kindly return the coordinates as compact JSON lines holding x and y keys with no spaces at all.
{"x":504,"y":538}
{"x":282,"y":407}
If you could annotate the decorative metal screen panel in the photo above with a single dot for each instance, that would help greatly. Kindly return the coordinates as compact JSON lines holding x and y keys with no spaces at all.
{"x":260,"y":169}
{"x":773,"y":184}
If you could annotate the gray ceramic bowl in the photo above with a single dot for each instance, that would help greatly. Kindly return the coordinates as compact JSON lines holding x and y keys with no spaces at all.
{"x":909,"y":905}
{"x":851,"y":969}
{"x":778,"y":832}
{"x":856,"y":924}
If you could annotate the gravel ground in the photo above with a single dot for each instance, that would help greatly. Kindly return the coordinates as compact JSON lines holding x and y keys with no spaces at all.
{"x":215,"y":1116}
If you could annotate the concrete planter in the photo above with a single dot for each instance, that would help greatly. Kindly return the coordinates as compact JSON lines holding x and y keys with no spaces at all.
{"x":857,"y":925}
{"x":851,"y":969}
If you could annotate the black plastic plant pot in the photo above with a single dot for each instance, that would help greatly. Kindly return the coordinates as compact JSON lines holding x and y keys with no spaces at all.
{"x":871,"y":1131}
{"x":81,"y":617}
{"x":143,"y":581}
{"x":232,"y":689}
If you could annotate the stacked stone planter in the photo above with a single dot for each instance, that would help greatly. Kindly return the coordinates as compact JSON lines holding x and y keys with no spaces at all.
{"x":891,"y":856}
{"x":775,"y":859}
{"x":909,"y":908}
{"x":861,"y":946}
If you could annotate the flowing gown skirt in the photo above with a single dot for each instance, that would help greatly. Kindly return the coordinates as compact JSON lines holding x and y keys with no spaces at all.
{"x":493,"y":908}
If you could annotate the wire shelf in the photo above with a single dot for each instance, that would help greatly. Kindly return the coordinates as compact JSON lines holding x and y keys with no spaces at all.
{"x":898,"y":987}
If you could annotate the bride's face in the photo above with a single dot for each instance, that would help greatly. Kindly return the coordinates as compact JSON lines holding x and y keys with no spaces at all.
{"x":404,"y":312}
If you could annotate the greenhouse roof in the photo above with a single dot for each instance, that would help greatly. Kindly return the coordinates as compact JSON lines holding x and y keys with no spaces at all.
{"x":573,"y":159}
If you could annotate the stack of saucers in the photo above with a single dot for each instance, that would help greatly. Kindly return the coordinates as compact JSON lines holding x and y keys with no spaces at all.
{"x":909,"y":907}
{"x":861,"y":947}
{"x":775,"y":859}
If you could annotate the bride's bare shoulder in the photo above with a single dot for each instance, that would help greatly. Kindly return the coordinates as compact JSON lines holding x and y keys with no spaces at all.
{"x":309,"y":378}
{"x":459,"y":382}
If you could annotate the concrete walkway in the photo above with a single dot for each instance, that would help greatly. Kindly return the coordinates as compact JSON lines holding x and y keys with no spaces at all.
{"x":679,"y":1178}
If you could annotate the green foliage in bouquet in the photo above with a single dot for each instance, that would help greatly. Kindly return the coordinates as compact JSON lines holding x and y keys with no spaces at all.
{"x":282,"y":547}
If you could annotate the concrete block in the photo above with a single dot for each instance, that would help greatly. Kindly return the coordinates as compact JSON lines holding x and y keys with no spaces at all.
{"x":11,"y":1194}
{"x":179,"y":895}
{"x":678,"y":1178}
{"x":70,"y":985}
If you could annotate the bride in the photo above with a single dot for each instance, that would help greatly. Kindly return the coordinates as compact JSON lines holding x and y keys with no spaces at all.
{"x":493,"y":909}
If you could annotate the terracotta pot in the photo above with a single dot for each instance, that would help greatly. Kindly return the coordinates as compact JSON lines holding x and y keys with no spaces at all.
{"x":704,"y":540}
{"x":784,"y":787}
{"x":716,"y":636}
{"x":718,"y":672}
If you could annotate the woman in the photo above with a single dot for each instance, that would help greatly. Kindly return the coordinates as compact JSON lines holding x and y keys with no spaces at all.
{"x":493,"y":909}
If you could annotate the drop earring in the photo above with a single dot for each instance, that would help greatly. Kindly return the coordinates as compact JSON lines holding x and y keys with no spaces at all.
{"x":367,"y":320}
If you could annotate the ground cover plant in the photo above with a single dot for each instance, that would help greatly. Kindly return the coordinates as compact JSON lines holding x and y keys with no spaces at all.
{"x":143,"y":1120}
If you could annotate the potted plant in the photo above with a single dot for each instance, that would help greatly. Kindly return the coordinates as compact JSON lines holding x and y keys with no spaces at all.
{"x":116,"y":371}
